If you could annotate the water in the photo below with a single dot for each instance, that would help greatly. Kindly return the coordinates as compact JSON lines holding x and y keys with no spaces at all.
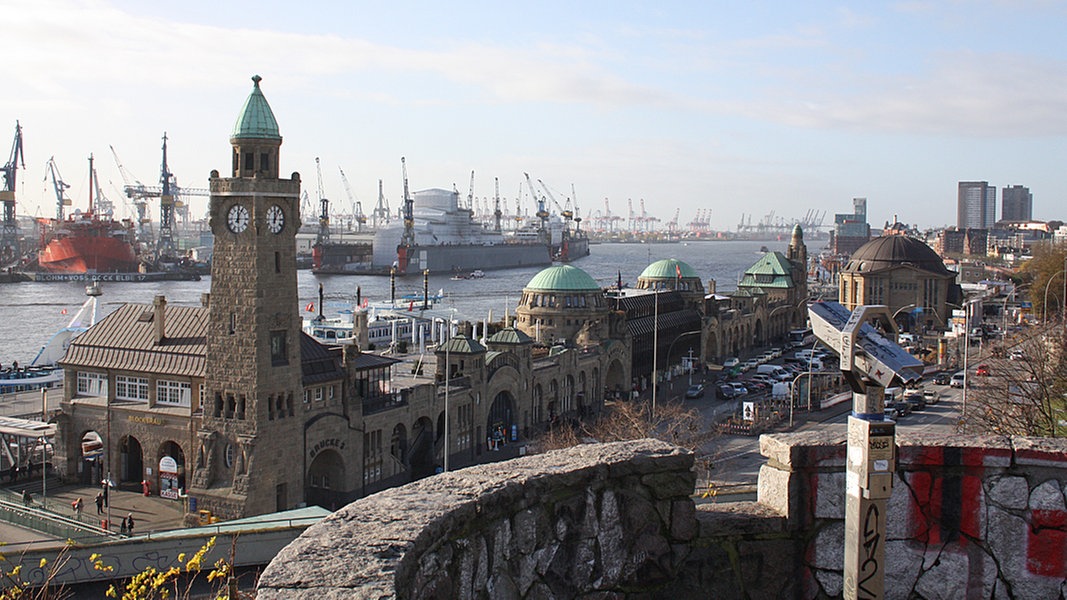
{"x":31,"y":312}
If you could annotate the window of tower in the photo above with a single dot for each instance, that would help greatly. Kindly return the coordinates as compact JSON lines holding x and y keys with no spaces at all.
{"x":264,"y":162}
{"x":250,"y":161}
{"x":279,"y":354}
{"x":231,"y":406}
{"x":236,"y":160}
{"x":277,"y":262}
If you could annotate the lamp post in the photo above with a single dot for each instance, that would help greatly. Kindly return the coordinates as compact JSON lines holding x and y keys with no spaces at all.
{"x":1044,"y":304}
{"x":655,"y":345}
{"x":448,"y":335}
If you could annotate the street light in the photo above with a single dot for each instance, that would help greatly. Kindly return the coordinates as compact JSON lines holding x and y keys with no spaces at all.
{"x":448,"y":334}
{"x":1044,"y":305}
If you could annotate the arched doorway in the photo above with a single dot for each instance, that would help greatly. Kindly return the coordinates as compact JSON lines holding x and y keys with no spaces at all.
{"x":422,"y":449}
{"x":171,"y":473}
{"x":131,"y":460}
{"x":614,"y":382}
{"x":326,"y":480}
{"x":501,"y":420}
{"x":398,"y":445}
{"x":91,"y":470}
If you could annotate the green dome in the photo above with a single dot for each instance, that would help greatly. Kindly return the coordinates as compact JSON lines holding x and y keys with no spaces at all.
{"x":256,"y":119}
{"x":668,"y":269}
{"x":563,"y":278}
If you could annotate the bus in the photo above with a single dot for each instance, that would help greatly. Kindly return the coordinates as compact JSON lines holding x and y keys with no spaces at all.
{"x":801,"y":337}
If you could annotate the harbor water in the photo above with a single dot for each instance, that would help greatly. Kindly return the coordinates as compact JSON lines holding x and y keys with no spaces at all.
{"x":31,"y":312}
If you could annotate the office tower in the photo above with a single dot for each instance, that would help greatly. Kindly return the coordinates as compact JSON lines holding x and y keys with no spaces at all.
{"x":1017,"y":204}
{"x":977,"y":205}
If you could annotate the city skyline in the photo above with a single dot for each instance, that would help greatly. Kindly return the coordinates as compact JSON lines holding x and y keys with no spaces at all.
{"x":744,"y":110}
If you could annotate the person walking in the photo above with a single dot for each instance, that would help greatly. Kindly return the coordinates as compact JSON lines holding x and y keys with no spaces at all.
{"x":77,"y":506}
{"x":122,"y":527}
{"x":104,"y":492}
{"x":99,"y":503}
{"x":129,"y":524}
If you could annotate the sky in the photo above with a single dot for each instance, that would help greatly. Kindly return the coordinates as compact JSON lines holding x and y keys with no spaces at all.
{"x":745,"y":109}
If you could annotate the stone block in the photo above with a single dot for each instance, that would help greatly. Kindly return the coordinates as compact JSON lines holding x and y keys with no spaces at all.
{"x":1047,"y":496}
{"x":736,"y":518}
{"x":683,"y":520}
{"x":773,"y":488}
{"x":827,"y":549}
{"x":1040,"y":452}
{"x":830,"y":496}
{"x":670,"y":484}
{"x":804,"y":450}
{"x":1007,"y":492}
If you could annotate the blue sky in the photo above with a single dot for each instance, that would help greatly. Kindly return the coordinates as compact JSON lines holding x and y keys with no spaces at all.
{"x":740,"y":108}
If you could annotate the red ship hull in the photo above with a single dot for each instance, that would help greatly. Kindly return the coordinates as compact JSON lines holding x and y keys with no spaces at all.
{"x":88,"y":248}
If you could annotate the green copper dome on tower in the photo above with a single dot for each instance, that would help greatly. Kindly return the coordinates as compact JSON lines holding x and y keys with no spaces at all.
{"x":669,"y":268}
{"x":256,"y":120}
{"x":563,"y":278}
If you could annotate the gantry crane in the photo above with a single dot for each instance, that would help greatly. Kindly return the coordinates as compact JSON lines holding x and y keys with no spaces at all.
{"x":408,"y":239}
{"x":59,"y":186}
{"x":357,"y":208}
{"x":381,"y":211}
{"x":170,"y":206}
{"x":496,"y":206}
{"x":323,"y":236}
{"x":9,"y":237}
{"x":542,"y":214}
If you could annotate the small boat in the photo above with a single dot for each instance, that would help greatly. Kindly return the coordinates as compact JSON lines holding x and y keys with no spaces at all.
{"x":475,"y":274}
{"x":44,"y":371}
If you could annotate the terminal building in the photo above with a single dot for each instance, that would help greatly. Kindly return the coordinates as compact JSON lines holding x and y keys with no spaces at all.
{"x":230,"y":407}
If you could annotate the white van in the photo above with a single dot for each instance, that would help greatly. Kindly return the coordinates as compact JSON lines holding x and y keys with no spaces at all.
{"x":774,"y":371}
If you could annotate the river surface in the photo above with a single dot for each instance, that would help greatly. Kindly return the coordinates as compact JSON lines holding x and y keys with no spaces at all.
{"x":31,"y":312}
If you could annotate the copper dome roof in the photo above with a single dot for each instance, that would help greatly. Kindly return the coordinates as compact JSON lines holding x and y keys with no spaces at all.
{"x":891,"y":251}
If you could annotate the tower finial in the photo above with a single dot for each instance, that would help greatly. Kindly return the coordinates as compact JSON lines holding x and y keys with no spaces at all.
{"x":256,"y":79}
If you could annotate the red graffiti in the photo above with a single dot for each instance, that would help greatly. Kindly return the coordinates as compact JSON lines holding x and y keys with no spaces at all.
{"x":1046,"y":543}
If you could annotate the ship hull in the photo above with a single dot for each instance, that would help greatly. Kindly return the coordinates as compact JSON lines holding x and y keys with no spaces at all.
{"x":88,"y":254}
{"x":463,"y":258}
{"x":574,"y":248}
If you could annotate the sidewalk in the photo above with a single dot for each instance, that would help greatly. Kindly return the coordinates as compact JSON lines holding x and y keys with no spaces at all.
{"x":150,"y":514}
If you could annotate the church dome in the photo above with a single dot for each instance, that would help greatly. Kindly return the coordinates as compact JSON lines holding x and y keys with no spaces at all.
{"x":891,"y":251}
{"x":668,"y":268}
{"x":563,"y":278}
{"x":256,"y":120}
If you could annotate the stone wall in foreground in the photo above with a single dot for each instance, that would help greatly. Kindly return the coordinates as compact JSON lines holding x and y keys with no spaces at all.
{"x":969,"y":517}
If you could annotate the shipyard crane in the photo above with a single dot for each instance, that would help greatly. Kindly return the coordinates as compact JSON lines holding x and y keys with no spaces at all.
{"x":60,"y":187}
{"x":140,"y":204}
{"x":169,"y":193}
{"x":357,"y":208}
{"x":408,"y":239}
{"x":577,"y":215}
{"x":9,"y":238}
{"x":542,"y":214}
{"x":323,"y":236}
{"x":496,"y":206}
{"x":381,"y":211}
{"x":470,"y":195}
{"x":672,"y":225}
{"x":566,"y":213}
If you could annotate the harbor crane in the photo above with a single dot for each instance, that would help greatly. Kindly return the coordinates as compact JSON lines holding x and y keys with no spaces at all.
{"x":59,"y":186}
{"x":171,"y":204}
{"x":542,"y":214}
{"x":408,"y":238}
{"x":496,"y":206}
{"x":381,"y":211}
{"x":140,"y":202}
{"x":672,"y":225}
{"x":323,"y":236}
{"x":9,"y":238}
{"x":470,"y":195}
{"x":357,"y":208}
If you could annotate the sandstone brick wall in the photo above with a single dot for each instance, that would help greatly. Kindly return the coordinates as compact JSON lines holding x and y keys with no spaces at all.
{"x":970,"y":517}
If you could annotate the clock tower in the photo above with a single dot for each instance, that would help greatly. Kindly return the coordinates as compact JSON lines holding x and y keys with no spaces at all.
{"x":248,"y":449}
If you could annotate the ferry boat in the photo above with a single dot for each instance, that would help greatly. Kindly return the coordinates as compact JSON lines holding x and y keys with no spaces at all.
{"x":44,"y":370}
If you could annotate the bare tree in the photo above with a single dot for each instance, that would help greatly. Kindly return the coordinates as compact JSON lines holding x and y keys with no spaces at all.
{"x":671,"y":422}
{"x":1025,"y":393}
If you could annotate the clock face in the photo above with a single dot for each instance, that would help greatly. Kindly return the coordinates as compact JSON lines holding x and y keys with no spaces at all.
{"x":237,"y":219}
{"x":275,"y":218}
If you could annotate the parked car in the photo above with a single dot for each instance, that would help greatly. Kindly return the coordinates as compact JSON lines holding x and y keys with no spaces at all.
{"x":982,"y":371}
{"x":942,"y":378}
{"x":731,"y":363}
{"x":725,"y":391}
{"x":695,"y":391}
{"x":903,"y":408}
{"x":739,"y":388}
{"x":892,"y":413}
{"x":1016,"y":355}
{"x":750,"y":364}
{"x":915,"y":401}
{"x":756,"y":386}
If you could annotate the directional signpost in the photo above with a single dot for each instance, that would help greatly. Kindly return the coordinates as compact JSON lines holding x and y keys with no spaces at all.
{"x":870,"y":362}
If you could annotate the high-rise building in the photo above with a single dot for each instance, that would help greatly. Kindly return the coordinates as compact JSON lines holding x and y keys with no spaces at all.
{"x":1017,"y":204}
{"x":851,"y":230}
{"x":977,"y":205}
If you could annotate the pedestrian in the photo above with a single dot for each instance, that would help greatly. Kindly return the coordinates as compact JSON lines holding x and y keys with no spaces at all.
{"x":29,"y":469}
{"x":105,"y":492}
{"x":13,"y":473}
{"x":129,"y":524}
{"x":27,"y":499}
{"x":77,"y":506}
{"x":99,"y":503}
{"x":122,"y":527}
